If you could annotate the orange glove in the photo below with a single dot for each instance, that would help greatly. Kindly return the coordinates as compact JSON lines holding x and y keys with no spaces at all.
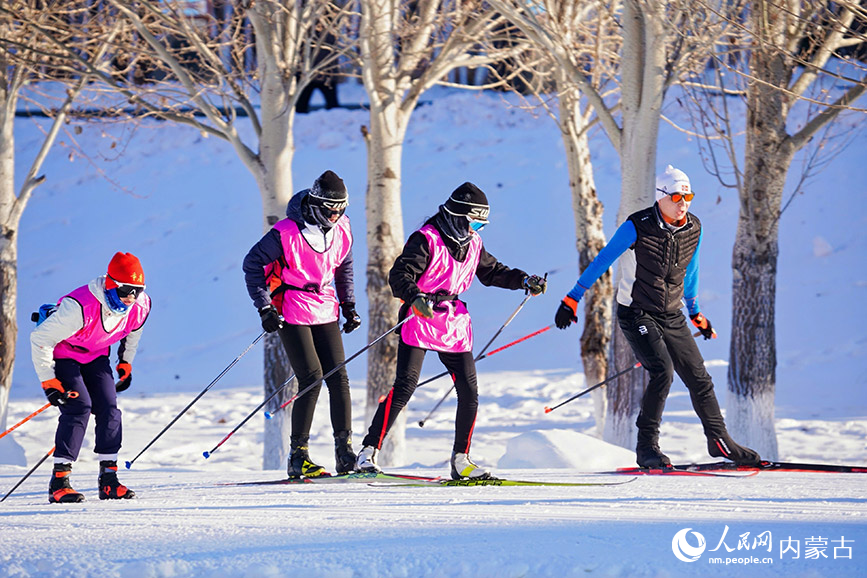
{"x":703,"y":325}
{"x":566,"y":313}
{"x":124,"y":376}
{"x":54,"y":391}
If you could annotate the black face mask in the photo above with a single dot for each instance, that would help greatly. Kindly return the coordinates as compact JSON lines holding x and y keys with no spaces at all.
{"x":319,"y":215}
{"x":456,"y":227}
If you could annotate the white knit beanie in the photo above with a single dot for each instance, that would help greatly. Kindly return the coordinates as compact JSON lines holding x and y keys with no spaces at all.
{"x":672,"y":181}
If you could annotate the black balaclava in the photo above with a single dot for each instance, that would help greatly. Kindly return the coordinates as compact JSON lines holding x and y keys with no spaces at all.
{"x":328,"y":194}
{"x":467,"y":200}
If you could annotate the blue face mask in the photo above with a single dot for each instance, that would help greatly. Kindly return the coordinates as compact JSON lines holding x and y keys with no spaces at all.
{"x":477,"y":226}
{"x":114,"y":302}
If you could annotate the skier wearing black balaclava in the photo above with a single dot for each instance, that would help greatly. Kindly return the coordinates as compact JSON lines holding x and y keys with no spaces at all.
{"x":289,"y":275}
{"x":437,"y":264}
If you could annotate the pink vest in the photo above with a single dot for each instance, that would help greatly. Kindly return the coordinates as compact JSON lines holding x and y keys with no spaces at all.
{"x":451,"y":329}
{"x":306,"y":267}
{"x":93,"y":340}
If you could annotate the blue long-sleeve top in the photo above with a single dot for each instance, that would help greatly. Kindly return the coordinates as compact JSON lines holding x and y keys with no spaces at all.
{"x":623,"y":239}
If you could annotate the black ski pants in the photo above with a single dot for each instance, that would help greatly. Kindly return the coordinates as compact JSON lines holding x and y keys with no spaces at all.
{"x":313,"y":351}
{"x":97,"y":395}
{"x":462,"y":368}
{"x":664,"y":344}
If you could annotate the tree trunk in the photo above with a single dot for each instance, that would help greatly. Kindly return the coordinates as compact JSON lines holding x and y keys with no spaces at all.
{"x":589,"y":239}
{"x":9,"y":221}
{"x":643,"y":90}
{"x":383,"y":210}
{"x":753,"y":351}
{"x":384,"y":243}
{"x":276,"y":151}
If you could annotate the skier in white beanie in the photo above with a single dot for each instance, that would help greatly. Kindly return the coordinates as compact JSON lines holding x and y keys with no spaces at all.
{"x":658,"y":249}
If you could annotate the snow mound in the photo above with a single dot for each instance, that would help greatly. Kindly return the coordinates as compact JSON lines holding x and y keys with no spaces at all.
{"x":11,"y":452}
{"x":563,"y":449}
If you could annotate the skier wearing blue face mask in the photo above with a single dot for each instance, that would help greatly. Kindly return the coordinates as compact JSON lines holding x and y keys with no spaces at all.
{"x":70,"y":351}
{"x":437,"y":264}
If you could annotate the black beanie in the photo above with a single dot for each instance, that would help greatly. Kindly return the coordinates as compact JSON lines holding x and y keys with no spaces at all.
{"x":469,"y":200}
{"x":329,"y":188}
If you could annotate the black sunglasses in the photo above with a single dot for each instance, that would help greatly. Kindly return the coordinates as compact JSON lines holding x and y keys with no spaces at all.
{"x":124,"y":291}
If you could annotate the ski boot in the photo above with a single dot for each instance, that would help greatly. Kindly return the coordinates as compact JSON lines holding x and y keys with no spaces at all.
{"x":366,"y":461}
{"x":344,"y":457}
{"x":299,"y":460}
{"x":59,"y":489}
{"x":109,"y":487}
{"x":650,"y":456}
{"x":463,"y":468}
{"x":723,"y":446}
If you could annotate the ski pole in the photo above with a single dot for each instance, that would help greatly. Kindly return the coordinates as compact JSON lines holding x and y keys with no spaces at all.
{"x":478,"y":357}
{"x":481,"y":357}
{"x":70,"y":395}
{"x":589,"y":389}
{"x":246,"y":419}
{"x":203,"y":392}
{"x":27,"y":475}
{"x":26,"y":419}
{"x":269,"y":415}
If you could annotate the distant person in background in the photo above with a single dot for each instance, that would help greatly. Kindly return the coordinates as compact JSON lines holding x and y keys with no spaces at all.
{"x":658,"y":248}
{"x":437,"y":264}
{"x":302,"y":255}
{"x":325,"y":80}
{"x":325,"y":84}
{"x":70,"y":351}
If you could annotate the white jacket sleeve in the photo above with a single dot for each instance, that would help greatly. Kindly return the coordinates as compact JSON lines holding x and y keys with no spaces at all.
{"x":62,"y":324}
{"x":129,"y":346}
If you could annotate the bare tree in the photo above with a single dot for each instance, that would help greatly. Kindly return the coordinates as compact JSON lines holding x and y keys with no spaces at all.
{"x":24,"y":60}
{"x":786,"y":64}
{"x":653,"y":50}
{"x":194,"y":69}
{"x":591,"y":34}
{"x":406,"y":47}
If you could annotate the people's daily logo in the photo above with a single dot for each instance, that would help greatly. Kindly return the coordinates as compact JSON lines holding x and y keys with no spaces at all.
{"x":683,"y":549}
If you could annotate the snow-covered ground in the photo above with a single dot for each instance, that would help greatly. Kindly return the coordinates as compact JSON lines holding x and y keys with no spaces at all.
{"x":190,"y":211}
{"x":185,"y":522}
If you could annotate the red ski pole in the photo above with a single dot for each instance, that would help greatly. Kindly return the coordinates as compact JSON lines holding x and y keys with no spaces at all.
{"x":26,"y":419}
{"x":71,"y":395}
{"x":479,"y":358}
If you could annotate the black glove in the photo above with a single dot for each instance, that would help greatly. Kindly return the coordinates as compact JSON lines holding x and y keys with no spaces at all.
{"x":566,"y":313}
{"x":703,"y":325}
{"x":353,"y":321}
{"x":54,"y":391}
{"x":124,"y":376}
{"x":534,"y":284}
{"x":271,"y":321}
{"x":421,"y":307}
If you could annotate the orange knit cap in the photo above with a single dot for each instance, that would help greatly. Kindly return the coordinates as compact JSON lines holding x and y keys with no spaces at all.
{"x":124,"y":269}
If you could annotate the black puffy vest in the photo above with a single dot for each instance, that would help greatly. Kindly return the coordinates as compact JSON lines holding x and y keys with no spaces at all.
{"x":661,"y":259}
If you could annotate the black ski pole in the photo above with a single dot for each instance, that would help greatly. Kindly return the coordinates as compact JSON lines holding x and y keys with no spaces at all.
{"x":589,"y":389}
{"x":189,"y":405}
{"x":269,"y":415}
{"x":478,"y":357}
{"x":27,"y":475}
{"x":246,"y":419}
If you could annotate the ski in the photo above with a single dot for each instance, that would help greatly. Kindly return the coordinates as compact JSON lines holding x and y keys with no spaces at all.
{"x":338,"y":478}
{"x":495,"y":482}
{"x":768,"y":466}
{"x":683,"y":471}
